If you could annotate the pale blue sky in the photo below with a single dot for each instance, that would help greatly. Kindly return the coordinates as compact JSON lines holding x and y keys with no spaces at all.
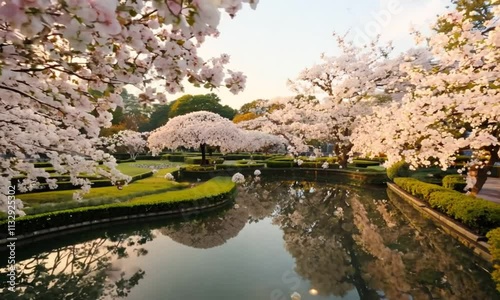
{"x":282,"y":37}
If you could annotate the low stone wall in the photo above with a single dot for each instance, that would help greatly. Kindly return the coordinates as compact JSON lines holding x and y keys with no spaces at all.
{"x":473,"y":241}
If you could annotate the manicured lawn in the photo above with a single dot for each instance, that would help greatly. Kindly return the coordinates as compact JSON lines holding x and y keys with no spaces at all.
{"x":213,"y":187}
{"x":154,"y":184}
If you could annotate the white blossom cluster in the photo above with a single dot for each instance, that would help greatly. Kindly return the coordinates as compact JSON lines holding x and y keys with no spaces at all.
{"x":453,"y":106}
{"x":133,"y":142}
{"x":65,"y":62}
{"x":238,"y":178}
{"x":169,"y":177}
{"x":206,"y":128}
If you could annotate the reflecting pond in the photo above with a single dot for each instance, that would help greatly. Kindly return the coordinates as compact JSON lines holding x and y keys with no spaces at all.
{"x":322,"y":241}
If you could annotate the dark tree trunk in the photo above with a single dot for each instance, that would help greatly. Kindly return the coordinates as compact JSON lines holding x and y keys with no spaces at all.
{"x":342,"y":155}
{"x":482,"y":173}
{"x":203,"y":154}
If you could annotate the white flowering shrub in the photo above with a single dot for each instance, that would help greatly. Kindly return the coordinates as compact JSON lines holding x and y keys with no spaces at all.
{"x":132,"y":142}
{"x":257,"y":173}
{"x":238,"y":178}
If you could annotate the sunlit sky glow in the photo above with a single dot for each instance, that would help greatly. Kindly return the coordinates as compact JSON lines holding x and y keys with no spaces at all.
{"x":281,"y":37}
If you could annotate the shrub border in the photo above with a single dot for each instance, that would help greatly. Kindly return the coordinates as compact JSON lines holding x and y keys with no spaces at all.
{"x":185,"y":206}
{"x":476,"y":243}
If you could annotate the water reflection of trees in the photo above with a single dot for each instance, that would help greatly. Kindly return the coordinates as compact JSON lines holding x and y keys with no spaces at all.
{"x":88,"y":270}
{"x":255,"y":201}
{"x":259,"y":198}
{"x":315,"y":235}
{"x":372,"y":247}
{"x":438,"y":265}
{"x":341,"y":239}
{"x":210,"y":232}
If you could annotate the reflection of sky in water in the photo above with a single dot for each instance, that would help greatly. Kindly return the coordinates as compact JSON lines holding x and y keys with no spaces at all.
{"x":275,"y":243}
{"x":253,"y":265}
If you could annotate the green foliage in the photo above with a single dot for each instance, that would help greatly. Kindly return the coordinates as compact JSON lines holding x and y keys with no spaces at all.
{"x":365,"y":163}
{"x":196,"y":160}
{"x":213,"y":191}
{"x":494,"y":242}
{"x":399,"y":169}
{"x":65,"y":190}
{"x":146,"y":157}
{"x":454,"y":182}
{"x":209,"y":102}
{"x":280,"y":164}
{"x":179,"y":157}
{"x":143,"y":181}
{"x":478,"y":214}
{"x":43,"y":165}
{"x":237,"y":156}
{"x":158,"y":118}
{"x":113,"y":196}
{"x":418,"y":188}
{"x":478,"y":11}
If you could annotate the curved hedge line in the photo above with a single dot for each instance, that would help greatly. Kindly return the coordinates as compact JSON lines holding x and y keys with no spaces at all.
{"x":67,"y":185}
{"x":220,"y":189}
{"x":494,"y":241}
{"x":478,"y":214}
{"x":454,"y":182}
{"x":399,"y":169}
{"x":196,"y":160}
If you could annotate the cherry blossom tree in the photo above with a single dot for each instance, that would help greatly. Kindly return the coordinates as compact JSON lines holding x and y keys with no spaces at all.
{"x":65,"y":62}
{"x":451,"y":107}
{"x":261,"y":141}
{"x":355,"y":81}
{"x":198,"y":130}
{"x":292,"y":118}
{"x":132,"y":141}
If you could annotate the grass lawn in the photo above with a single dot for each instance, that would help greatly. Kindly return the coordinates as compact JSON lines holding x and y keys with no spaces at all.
{"x":154,"y":184}
{"x":213,"y":187}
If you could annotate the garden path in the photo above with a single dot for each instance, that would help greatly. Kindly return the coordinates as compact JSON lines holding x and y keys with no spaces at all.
{"x":491,"y":190}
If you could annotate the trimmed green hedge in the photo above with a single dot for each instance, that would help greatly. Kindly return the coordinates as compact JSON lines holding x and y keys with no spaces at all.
{"x":33,"y":223}
{"x":454,"y":182}
{"x":478,"y":214}
{"x":43,"y":165}
{"x":418,"y":188}
{"x":280,"y":163}
{"x":179,"y":157}
{"x":365,"y":163}
{"x":494,"y":242}
{"x":120,"y":161}
{"x":146,"y":157}
{"x":399,"y":169}
{"x":67,"y":185}
{"x":196,"y":160}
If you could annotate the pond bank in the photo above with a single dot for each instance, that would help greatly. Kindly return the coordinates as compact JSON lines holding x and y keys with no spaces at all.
{"x":473,"y":241}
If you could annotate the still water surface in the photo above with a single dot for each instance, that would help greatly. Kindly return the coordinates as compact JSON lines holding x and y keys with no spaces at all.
{"x":322,"y":241}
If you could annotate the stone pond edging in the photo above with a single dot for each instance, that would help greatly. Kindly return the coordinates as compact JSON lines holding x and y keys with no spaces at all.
{"x":476,"y":243}
{"x":77,"y":227}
